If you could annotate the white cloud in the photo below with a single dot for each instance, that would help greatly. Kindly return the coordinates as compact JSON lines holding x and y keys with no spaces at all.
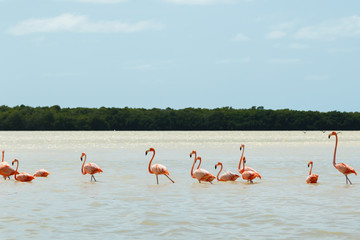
{"x":240,"y":37}
{"x":330,"y":30}
{"x":298,"y":46}
{"x":101,"y":1}
{"x":198,"y":2}
{"x":79,"y":23}
{"x":284,"y":60}
{"x":275,"y":35}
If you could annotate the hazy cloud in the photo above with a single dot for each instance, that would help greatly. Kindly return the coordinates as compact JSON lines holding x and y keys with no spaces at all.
{"x":101,"y":1}
{"x":79,"y":23}
{"x":345,"y":27}
{"x":275,"y":35}
{"x":298,"y":46}
{"x":198,"y":2}
{"x":240,"y":37}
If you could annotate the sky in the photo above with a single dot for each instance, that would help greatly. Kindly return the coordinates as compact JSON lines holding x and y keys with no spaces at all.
{"x":298,"y":54}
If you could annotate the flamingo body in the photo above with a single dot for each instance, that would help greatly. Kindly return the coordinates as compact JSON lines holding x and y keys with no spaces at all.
{"x":341,"y":167}
{"x":227,"y":176}
{"x":157,"y":169}
{"x":249,"y":175}
{"x":6,"y":170}
{"x":89,"y":168}
{"x":22,"y":177}
{"x":41,"y":173}
{"x":203,"y":175}
{"x":312,"y":178}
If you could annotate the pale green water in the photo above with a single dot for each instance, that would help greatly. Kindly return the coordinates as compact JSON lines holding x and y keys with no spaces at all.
{"x":126,"y":203}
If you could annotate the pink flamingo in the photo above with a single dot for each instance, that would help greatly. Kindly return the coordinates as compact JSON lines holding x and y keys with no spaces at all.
{"x":242,"y":147}
{"x":312,"y":178}
{"x":89,"y":168}
{"x":22,"y":177}
{"x":157,"y":169}
{"x":201,"y":174}
{"x":194,"y":152}
{"x":342,"y":167}
{"x":249,"y":175}
{"x":5,"y":170}
{"x":41,"y":173}
{"x":228,"y":176}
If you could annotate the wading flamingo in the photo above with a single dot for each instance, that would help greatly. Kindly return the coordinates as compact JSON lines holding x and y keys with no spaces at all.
{"x":22,"y":177}
{"x":242,"y":147}
{"x":249,"y":175}
{"x":157,"y":169}
{"x":90,"y":168}
{"x":194,"y":152}
{"x":41,"y":173}
{"x":342,"y":167}
{"x":201,"y":174}
{"x":5,"y":170}
{"x":228,"y":176}
{"x":312,"y":178}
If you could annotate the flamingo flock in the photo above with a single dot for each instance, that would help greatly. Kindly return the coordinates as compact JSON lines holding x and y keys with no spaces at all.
{"x":201,"y":175}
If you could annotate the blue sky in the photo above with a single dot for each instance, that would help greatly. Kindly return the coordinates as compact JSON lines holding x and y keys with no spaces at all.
{"x":301,"y":55}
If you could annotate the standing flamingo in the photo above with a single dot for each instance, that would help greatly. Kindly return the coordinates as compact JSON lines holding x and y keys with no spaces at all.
{"x":249,"y":175}
{"x":90,"y":168}
{"x":5,"y":170}
{"x":312,"y":178}
{"x":157,"y":169}
{"x":242,"y":147}
{"x":194,"y":152}
{"x":228,"y":176}
{"x":22,"y":177}
{"x":41,"y":173}
{"x":201,"y":174}
{"x":342,"y":167}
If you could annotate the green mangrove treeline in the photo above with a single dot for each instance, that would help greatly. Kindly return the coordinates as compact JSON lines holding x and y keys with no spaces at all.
{"x":226,"y":118}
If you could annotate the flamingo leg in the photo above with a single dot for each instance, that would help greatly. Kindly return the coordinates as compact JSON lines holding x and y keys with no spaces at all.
{"x":169,"y":178}
{"x":157,"y":179}
{"x":348,"y":179}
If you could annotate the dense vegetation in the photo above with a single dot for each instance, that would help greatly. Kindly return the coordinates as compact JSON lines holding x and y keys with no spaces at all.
{"x":256,"y":118}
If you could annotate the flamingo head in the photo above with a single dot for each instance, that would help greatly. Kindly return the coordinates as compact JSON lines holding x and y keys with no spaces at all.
{"x":3,"y":151}
{"x":15,"y":160}
{"x":219,"y":163}
{"x":333,"y":133}
{"x":242,"y":146}
{"x":310,"y":163}
{"x":244,"y":160}
{"x":193,"y":152}
{"x":82,"y":155}
{"x":150,"y":150}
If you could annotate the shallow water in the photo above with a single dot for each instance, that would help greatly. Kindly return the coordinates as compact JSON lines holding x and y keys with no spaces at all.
{"x":126,"y":203}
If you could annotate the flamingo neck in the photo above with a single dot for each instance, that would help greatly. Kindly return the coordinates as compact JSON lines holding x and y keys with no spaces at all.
{"x":17,"y":166}
{"x":2,"y":156}
{"x":151,"y":162}
{"x":336,"y":142}
{"x":192,"y":169}
{"x":82,"y":167}
{"x":217,"y":177}
{"x":242,"y":154}
{"x":311,"y":168}
{"x":243,"y":158}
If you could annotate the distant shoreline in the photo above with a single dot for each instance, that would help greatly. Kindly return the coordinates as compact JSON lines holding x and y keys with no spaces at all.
{"x":55,"y":118}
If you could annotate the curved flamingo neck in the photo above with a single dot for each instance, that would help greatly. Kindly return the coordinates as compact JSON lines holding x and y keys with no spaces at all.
{"x":151,"y":162}
{"x":242,"y":154}
{"x":336,"y":142}
{"x":17,"y":166}
{"x":311,"y":168}
{"x":82,"y":167}
{"x":192,"y":169}
{"x":217,"y":177}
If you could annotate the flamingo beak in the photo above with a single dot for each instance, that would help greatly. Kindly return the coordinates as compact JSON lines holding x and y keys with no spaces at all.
{"x":146,"y":153}
{"x":215,"y":166}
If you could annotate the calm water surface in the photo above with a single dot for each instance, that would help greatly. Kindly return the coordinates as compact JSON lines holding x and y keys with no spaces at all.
{"x":126,"y":203}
